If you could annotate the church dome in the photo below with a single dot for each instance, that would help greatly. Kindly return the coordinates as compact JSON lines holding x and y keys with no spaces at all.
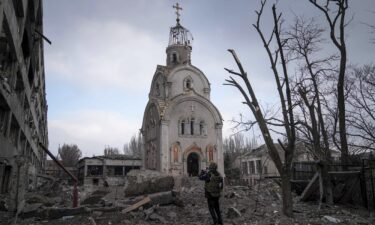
{"x":179,"y":35}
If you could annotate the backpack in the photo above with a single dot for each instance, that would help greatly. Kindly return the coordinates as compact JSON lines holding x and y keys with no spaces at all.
{"x":214,"y":186}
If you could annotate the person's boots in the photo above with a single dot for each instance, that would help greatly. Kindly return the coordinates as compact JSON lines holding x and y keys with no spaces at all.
{"x":213,"y":215}
{"x":219,"y":218}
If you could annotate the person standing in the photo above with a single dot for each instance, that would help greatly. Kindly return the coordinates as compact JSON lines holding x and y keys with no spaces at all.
{"x":212,"y":188}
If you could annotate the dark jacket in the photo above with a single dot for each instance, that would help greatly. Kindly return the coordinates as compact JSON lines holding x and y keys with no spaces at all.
{"x":213,"y":183}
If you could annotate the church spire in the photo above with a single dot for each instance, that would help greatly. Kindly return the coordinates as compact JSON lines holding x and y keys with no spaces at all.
{"x":177,"y":7}
{"x":179,"y":35}
{"x":180,"y":42}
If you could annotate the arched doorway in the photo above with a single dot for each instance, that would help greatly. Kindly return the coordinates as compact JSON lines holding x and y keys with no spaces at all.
{"x":193,"y":164}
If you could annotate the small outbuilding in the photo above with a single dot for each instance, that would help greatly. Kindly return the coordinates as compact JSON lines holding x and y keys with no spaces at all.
{"x":106,"y":170}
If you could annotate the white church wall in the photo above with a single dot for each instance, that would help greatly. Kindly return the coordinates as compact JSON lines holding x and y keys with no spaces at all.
{"x":177,"y":79}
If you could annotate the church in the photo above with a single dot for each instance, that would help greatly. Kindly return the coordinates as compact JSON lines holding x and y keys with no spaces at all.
{"x":182,"y":129}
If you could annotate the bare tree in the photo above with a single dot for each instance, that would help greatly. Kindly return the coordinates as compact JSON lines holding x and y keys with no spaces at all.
{"x":108,"y":150}
{"x":282,"y":80}
{"x":335,"y":15}
{"x":372,"y":29}
{"x":305,"y":38}
{"x":69,"y":154}
{"x":134,"y":147}
{"x":361,"y":113}
{"x":237,"y":145}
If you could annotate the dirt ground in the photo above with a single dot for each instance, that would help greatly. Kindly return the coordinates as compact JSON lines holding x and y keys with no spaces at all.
{"x":239,"y":205}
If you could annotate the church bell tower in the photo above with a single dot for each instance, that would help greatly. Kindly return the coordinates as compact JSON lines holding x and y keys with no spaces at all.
{"x":180,"y":43}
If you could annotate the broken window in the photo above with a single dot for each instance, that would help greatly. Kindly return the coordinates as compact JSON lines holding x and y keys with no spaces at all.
{"x":25,"y":45}
{"x":265,"y":170}
{"x":14,"y":131}
{"x":31,"y":78}
{"x":18,"y":7}
{"x":114,"y":170}
{"x":244,"y":168}
{"x":5,"y":172}
{"x":19,"y":87}
{"x":259,"y":166}
{"x":174,"y":57}
{"x":22,"y":143}
{"x":252,"y":167}
{"x":128,"y":168}
{"x":94,"y":170}
{"x":118,"y":170}
{"x":28,"y":149}
{"x":7,"y":58}
{"x":4,"y":115}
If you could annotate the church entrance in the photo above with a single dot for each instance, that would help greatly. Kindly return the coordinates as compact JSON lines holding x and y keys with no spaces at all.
{"x":193,"y":164}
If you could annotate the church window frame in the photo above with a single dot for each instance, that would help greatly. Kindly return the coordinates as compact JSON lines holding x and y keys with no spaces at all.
{"x":202,"y":128}
{"x":192,"y":126}
{"x":182,"y":127}
{"x":157,"y":89}
{"x":210,"y":153}
{"x":174,"y":57}
{"x":175,"y":153}
{"x":188,"y":83}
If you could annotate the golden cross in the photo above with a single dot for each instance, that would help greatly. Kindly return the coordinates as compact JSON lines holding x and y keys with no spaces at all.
{"x":177,"y":7}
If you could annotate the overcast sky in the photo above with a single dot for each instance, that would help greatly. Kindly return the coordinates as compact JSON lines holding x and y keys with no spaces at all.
{"x":104,"y":54}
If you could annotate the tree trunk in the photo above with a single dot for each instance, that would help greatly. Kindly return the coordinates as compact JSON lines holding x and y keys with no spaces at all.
{"x":286,"y":188}
{"x":325,"y":185}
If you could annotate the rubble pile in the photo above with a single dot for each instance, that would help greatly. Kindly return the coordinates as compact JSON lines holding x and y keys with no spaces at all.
{"x":259,"y":205}
{"x":147,"y":181}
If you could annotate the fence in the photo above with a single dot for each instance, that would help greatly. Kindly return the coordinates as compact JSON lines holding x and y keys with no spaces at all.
{"x":304,"y":171}
{"x":368,"y":184}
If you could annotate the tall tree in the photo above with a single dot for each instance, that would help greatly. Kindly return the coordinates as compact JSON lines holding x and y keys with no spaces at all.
{"x":108,"y":150}
{"x":361,"y":112}
{"x":69,"y":154}
{"x":135,"y":146}
{"x":235,"y":146}
{"x":304,"y":42}
{"x":335,"y":12}
{"x":282,"y":79}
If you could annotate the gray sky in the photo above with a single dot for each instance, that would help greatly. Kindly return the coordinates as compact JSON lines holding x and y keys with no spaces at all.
{"x":104,"y":54}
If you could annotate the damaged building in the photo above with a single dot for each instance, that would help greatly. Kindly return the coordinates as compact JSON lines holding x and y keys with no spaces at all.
{"x":23,"y":106}
{"x":112,"y":169}
{"x":182,"y":128}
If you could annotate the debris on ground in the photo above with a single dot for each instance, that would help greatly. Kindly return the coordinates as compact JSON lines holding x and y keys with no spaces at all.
{"x":260,"y":204}
{"x":141,"y":182}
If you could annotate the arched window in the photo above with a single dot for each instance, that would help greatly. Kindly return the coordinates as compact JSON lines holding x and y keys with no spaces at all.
{"x":182,"y":127}
{"x":188,"y":83}
{"x":175,"y":154}
{"x":174,"y":57}
{"x":192,"y":126}
{"x":157,"y":89}
{"x":210,"y":154}
{"x":201,"y":128}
